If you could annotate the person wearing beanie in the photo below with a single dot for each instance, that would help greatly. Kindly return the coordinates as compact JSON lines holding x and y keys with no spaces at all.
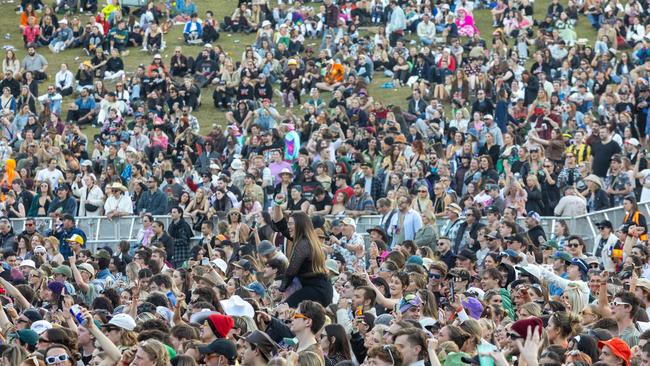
{"x":615,"y":352}
{"x":27,"y":338}
{"x":216,"y":326}
{"x":520,"y":328}
{"x":53,"y":294}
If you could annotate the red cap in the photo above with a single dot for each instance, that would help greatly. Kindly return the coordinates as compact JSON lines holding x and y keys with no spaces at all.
{"x":619,"y":348}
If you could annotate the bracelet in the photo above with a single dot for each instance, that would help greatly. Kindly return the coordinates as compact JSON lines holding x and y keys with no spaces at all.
{"x":278,"y":203}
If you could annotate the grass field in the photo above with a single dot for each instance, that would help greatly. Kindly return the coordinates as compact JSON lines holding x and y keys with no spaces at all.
{"x":233,"y":44}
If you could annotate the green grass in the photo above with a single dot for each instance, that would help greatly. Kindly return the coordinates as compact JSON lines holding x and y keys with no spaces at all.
{"x":234,"y":45}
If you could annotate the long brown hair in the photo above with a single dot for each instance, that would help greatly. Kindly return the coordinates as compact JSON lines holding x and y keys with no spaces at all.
{"x":304,"y":230}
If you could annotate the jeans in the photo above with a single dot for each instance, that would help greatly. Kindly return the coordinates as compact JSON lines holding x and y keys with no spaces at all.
{"x":57,"y":46}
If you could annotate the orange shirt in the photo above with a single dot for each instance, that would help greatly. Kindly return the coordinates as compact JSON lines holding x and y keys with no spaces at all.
{"x":335,"y":74}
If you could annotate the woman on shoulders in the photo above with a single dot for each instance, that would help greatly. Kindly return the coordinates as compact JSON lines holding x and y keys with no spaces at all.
{"x":306,"y":258}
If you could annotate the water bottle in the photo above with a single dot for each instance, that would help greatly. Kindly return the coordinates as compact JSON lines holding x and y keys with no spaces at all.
{"x":75,"y":310}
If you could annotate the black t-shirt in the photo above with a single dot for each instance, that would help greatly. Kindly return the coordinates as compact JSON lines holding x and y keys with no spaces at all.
{"x":327,"y":201}
{"x":602,"y":154}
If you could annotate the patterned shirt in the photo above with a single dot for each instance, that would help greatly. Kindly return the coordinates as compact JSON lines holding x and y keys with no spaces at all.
{"x":618,"y":183}
{"x":569,"y":176}
{"x":351,"y":258}
{"x":364,"y":203}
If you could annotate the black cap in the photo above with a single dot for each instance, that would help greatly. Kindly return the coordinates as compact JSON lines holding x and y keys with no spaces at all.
{"x":515,"y":237}
{"x":262,"y":342}
{"x":605,"y":223}
{"x":463,"y":274}
{"x":67,"y":217}
{"x":493,"y":210}
{"x":32,"y":315}
{"x":244,"y":264}
{"x":222,"y":347}
{"x":317,"y":221}
{"x":467,"y":253}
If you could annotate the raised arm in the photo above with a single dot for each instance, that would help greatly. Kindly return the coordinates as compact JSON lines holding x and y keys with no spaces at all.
{"x":112,"y":352}
{"x":83,"y":285}
{"x":19,"y":299}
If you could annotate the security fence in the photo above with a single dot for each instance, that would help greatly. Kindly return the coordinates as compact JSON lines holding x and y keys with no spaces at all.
{"x":102,"y":231}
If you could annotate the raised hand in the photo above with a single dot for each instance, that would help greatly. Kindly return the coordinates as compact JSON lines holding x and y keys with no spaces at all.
{"x":529,"y":349}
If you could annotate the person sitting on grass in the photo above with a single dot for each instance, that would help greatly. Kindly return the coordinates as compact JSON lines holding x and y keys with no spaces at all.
{"x":193,"y":30}
{"x":119,"y":37}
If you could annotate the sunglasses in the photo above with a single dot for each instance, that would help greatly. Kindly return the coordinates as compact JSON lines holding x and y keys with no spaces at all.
{"x":300,"y":316}
{"x":617,"y":303}
{"x":51,"y":360}
{"x":573,"y":245}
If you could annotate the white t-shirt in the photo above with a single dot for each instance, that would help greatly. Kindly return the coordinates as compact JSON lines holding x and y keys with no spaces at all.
{"x":52,"y":177}
{"x":645,"y":192}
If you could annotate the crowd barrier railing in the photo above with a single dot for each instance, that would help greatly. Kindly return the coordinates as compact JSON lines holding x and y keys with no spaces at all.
{"x":102,"y":231}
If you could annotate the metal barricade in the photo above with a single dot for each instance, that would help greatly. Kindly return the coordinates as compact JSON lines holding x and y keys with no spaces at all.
{"x":102,"y":231}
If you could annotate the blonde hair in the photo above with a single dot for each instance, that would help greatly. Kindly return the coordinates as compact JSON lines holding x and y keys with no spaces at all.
{"x":132,"y":270}
{"x":156,"y":351}
{"x":310,"y":359}
{"x":575,"y":295}
{"x":15,"y":355}
{"x":532,"y":308}
{"x":128,"y":338}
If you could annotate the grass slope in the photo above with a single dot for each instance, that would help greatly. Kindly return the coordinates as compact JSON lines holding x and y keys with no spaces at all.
{"x":233,"y":44}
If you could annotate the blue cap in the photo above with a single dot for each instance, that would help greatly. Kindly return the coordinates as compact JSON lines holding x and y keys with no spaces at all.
{"x":534,"y":215}
{"x":510,"y":253}
{"x":581,"y":264}
{"x":256,"y":287}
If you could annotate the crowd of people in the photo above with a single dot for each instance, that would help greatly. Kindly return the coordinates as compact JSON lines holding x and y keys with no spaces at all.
{"x":261,"y":261}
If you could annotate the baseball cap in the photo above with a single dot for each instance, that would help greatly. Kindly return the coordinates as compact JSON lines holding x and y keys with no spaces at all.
{"x":40,"y":326}
{"x":244,"y":264}
{"x":534,"y":215}
{"x":349,"y":222}
{"x":76,"y":238}
{"x":265,"y":247}
{"x":263,"y":343}
{"x":550,"y":244}
{"x":102,"y":254}
{"x":223,"y":347}
{"x":255,"y":287}
{"x":605,"y":223}
{"x":581,"y":264}
{"x":123,"y":321}
{"x":467,"y":253}
{"x":515,"y":237}
{"x":509,"y":253}
{"x":561,"y":255}
{"x":460,"y":273}
{"x":28,"y":263}
{"x":63,"y":270}
{"x":409,"y":301}
{"x":86,"y":267}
